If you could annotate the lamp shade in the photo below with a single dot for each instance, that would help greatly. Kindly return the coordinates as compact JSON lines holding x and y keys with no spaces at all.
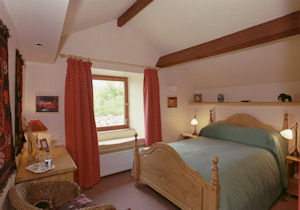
{"x":37,"y":125}
{"x":288,"y":133}
{"x":194,"y":121}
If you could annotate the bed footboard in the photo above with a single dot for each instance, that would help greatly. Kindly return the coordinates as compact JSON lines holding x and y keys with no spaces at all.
{"x":163,"y":169}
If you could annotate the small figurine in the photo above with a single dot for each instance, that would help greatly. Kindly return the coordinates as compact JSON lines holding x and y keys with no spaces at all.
{"x":282,"y":97}
{"x":220,"y":97}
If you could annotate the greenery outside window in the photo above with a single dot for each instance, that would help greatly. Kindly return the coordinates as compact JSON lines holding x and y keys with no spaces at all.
{"x":110,"y":102}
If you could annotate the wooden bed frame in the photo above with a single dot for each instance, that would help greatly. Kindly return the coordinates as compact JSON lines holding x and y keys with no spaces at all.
{"x":163,"y":169}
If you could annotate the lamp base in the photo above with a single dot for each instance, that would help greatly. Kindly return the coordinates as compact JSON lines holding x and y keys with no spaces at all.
{"x":195,"y":133}
{"x":295,"y":153}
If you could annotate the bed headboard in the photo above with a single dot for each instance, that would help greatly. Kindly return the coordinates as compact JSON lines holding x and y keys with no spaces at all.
{"x":249,"y":121}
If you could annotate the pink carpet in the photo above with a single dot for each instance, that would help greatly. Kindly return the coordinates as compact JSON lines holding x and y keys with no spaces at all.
{"x":119,"y":190}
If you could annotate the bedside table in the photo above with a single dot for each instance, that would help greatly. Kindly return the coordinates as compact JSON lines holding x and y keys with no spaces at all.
{"x":292,"y":164}
{"x":188,"y":136}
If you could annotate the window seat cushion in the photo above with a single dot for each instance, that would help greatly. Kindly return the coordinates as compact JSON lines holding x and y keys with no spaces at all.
{"x":118,"y":144}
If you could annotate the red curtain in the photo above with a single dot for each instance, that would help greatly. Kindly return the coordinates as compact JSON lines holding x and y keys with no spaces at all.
{"x":152,"y":107}
{"x":81,"y":134}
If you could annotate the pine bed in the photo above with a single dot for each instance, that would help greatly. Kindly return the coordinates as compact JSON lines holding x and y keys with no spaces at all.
{"x":166,"y":169}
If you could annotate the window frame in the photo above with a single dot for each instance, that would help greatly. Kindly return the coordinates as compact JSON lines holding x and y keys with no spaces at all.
{"x":126,"y":110}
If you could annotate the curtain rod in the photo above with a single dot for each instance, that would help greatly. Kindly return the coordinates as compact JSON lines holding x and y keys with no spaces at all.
{"x":107,"y":61}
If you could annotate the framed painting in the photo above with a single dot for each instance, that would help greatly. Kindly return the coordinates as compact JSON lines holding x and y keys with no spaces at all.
{"x":172,"y":102}
{"x":46,"y":103}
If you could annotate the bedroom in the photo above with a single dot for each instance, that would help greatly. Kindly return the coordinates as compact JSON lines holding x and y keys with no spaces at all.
{"x":259,"y":73}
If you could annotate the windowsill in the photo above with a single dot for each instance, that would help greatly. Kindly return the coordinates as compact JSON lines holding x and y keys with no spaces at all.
{"x":115,"y":141}
{"x":118,"y":144}
{"x":104,"y":136}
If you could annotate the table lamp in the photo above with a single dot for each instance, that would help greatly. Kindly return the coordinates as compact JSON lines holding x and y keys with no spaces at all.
{"x":194,"y":122}
{"x":37,"y":125}
{"x":288,"y":134}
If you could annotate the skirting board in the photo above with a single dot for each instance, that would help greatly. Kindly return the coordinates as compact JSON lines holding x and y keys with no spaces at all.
{"x":114,"y":162}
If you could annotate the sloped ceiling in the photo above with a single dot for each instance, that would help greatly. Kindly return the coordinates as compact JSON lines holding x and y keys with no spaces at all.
{"x":83,"y":14}
{"x":172,"y":25}
{"x":38,"y":22}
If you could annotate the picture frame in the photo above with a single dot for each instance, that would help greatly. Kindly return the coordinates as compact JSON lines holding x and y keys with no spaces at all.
{"x":44,"y":144}
{"x":197,"y":98}
{"x":172,"y":102}
{"x":46,"y":103}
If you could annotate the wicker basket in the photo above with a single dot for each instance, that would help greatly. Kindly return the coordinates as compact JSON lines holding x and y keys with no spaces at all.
{"x":22,"y":196}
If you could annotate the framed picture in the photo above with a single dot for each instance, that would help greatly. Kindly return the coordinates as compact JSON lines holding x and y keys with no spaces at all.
{"x":172,"y":102}
{"x":197,"y":98}
{"x":46,"y":103}
{"x":44,"y":144}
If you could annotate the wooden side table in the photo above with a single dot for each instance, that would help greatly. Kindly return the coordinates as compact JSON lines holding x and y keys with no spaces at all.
{"x":188,"y":136}
{"x":63,"y":171}
{"x":292,"y":174}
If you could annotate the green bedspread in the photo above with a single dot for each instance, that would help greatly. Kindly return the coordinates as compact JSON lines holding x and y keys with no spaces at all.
{"x":250,"y":176}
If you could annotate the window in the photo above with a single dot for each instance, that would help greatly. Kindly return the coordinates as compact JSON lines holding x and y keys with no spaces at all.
{"x":110,"y":102}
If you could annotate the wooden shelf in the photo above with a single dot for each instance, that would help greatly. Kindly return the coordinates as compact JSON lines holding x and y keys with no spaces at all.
{"x":245,"y":103}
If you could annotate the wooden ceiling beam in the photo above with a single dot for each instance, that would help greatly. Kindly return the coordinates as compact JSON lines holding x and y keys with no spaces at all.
{"x":138,"y":6}
{"x":269,"y":31}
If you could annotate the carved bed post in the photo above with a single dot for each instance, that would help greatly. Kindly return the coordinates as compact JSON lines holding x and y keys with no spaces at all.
{"x":285,"y":121}
{"x":216,"y":186}
{"x":215,"y":175}
{"x":136,"y":162}
{"x":210,"y":117}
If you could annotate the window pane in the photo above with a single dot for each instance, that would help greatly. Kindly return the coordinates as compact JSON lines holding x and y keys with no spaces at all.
{"x":109,"y":102}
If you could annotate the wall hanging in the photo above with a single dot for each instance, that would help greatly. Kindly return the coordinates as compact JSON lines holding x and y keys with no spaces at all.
{"x":7,"y":161}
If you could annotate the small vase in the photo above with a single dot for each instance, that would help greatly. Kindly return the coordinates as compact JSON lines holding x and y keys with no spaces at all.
{"x":220,"y":97}
{"x":52,"y":141}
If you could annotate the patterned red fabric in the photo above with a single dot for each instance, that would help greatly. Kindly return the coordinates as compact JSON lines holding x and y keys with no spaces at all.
{"x":81,"y":134}
{"x":7,"y":161}
{"x":152,"y":107}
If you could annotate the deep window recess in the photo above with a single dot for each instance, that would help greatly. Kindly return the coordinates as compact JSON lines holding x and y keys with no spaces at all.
{"x":110,"y":102}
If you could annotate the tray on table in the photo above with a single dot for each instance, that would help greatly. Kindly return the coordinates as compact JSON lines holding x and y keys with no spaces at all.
{"x":39,"y":168}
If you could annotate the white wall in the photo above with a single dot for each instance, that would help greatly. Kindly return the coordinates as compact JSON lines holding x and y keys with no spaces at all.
{"x":12,"y":46}
{"x":258,"y":73}
{"x":46,"y":79}
{"x":136,"y":104}
{"x":174,"y":120}
{"x":272,"y":115}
